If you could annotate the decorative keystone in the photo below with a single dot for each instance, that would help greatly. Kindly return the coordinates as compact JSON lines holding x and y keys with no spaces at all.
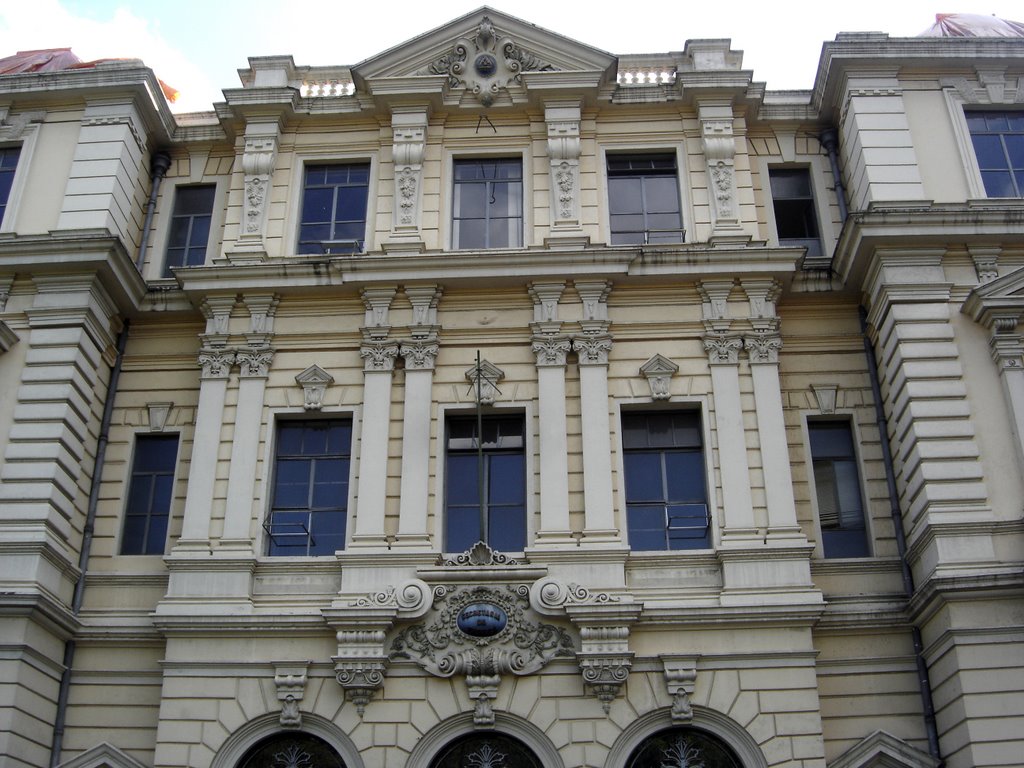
{"x":484,"y":378}
{"x":314,"y":382}
{"x":290,"y":678}
{"x":659,"y":371}
{"x":680,"y":679}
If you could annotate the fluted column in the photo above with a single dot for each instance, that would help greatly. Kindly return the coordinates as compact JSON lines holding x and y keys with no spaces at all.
{"x":254,"y":364}
{"x":216,"y":360}
{"x":551,"y":348}
{"x":592,"y":347}
{"x":378,"y":354}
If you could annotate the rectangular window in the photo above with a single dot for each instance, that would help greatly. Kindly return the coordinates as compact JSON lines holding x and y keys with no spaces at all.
{"x":8,"y":165}
{"x":502,"y":521}
{"x":334,"y":208}
{"x":643,"y":199}
{"x":190,"y":227}
{"x":309,"y":501}
{"x":837,"y":483}
{"x":149,"y":495}
{"x":487,"y":203}
{"x":666,"y":487}
{"x":796,"y":221}
{"x":998,"y":139}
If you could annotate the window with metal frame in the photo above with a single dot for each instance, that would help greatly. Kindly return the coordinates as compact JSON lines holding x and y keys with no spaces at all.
{"x":8,"y":165}
{"x":189,"y":233}
{"x":501,"y":524}
{"x":837,"y":486}
{"x":150,"y":489}
{"x":998,"y":139}
{"x":487,"y":203}
{"x":333,"y":218}
{"x":487,"y":749}
{"x":796,"y":221}
{"x":643,"y":199}
{"x":683,"y":746}
{"x":666,"y":486}
{"x":309,"y":500}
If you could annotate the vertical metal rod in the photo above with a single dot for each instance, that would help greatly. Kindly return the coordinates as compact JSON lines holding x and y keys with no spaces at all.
{"x":481,"y":491}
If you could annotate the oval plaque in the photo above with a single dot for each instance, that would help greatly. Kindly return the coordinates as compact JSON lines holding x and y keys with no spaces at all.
{"x":481,"y":620}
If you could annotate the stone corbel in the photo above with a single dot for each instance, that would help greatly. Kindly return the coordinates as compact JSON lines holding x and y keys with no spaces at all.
{"x":716,"y":121}
{"x":603,"y":620}
{"x":594,"y":295}
{"x":290,"y":680}
{"x":376,"y":322}
{"x":314,"y":382}
{"x":262,"y":310}
{"x":761,"y":296}
{"x":361,"y":628}
{"x":484,"y":379}
{"x":258,"y":159}
{"x":659,"y":371}
{"x":714,"y":296}
{"x":825,"y":397}
{"x":424,"y":300}
{"x":545,"y":308}
{"x":680,"y":680}
{"x":986,"y":262}
{"x":563,"y":123}
{"x":158,"y":413}
{"x":409,"y":125}
{"x":1005,"y":343}
{"x":13,"y":126}
{"x":217,"y":311}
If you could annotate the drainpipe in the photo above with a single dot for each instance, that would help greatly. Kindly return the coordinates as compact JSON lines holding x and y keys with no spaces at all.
{"x":161,"y":161}
{"x":158,"y":169}
{"x":830,"y":141}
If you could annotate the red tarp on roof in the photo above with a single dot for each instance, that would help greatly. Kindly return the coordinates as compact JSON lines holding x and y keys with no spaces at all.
{"x":58,"y":59}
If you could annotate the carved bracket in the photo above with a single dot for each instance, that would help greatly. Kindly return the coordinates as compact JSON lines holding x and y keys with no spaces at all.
{"x":290,"y":679}
{"x":563,"y":123}
{"x":410,"y":141}
{"x":680,"y":680}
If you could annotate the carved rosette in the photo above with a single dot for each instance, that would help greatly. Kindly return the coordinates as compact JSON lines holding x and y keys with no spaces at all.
{"x":551,"y":351}
{"x":592,"y":350}
{"x":255,"y":363}
{"x":379,"y":356}
{"x":485,"y":64}
{"x":723,"y":350}
{"x":763,"y":348}
{"x":216,"y":363}
{"x":419,"y":355}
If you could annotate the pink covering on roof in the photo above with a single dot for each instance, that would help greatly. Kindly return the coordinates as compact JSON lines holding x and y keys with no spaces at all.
{"x":972,"y":25}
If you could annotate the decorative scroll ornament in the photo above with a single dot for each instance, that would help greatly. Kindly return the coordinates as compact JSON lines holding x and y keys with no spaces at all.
{"x":314,"y":382}
{"x":486,"y":63}
{"x":479,"y":554}
{"x":508,"y":642}
{"x":606,"y":675}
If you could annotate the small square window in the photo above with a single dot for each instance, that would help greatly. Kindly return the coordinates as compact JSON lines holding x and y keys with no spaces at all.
{"x":333,"y":218}
{"x":837,"y":486}
{"x":501,"y":523}
{"x":487,"y":203}
{"x":643,"y":199}
{"x":998,"y":139}
{"x":666,"y":487}
{"x":189,"y":233}
{"x":796,"y":221}
{"x":8,"y":165}
{"x":309,"y":500}
{"x":149,"y":495}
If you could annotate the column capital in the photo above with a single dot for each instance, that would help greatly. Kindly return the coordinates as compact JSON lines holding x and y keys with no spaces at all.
{"x":379,"y":356}
{"x":592,"y":350}
{"x":722,"y":349}
{"x":216,"y":362}
{"x":254,"y":362}
{"x":551,"y":350}
{"x":763,"y":348}
{"x":419,"y":354}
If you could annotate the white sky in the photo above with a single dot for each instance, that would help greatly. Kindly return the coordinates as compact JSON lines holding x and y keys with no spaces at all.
{"x":197,"y":46}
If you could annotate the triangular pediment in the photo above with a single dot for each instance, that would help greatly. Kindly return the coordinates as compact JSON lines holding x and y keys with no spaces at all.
{"x":999,"y":298}
{"x":102,"y":755}
{"x":465,"y":41}
{"x":883,"y":750}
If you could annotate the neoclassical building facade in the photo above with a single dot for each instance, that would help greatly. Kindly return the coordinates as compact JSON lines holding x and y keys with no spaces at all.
{"x":499,"y":402}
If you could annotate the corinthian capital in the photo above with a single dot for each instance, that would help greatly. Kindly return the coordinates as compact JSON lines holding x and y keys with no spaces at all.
{"x":723,"y":350}
{"x":379,"y":356}
{"x":216,"y":363}
{"x":763,"y":348}
{"x":592,"y":350}
{"x":255,"y":363}
{"x":551,"y":350}
{"x":419,"y":355}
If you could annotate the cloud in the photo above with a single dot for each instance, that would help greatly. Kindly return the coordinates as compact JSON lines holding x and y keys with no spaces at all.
{"x":47,"y":24}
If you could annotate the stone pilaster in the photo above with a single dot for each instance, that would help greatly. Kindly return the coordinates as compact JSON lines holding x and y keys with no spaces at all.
{"x":258,"y":160}
{"x":551,"y":347}
{"x":719,"y":142}
{"x":409,"y":126}
{"x":592,"y":347}
{"x":563,"y":124}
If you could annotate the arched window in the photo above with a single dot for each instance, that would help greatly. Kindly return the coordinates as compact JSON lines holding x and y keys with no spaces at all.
{"x":291,"y":750}
{"x":486,"y":750}
{"x":682,"y":748}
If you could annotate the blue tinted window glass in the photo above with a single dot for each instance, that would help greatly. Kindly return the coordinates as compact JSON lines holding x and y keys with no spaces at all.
{"x":189,"y":231}
{"x":150,"y":490}
{"x":487,"y":203}
{"x":8,"y":165}
{"x":334,"y":203}
{"x":643,"y":199}
{"x":837,"y":487}
{"x":998,"y":139}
